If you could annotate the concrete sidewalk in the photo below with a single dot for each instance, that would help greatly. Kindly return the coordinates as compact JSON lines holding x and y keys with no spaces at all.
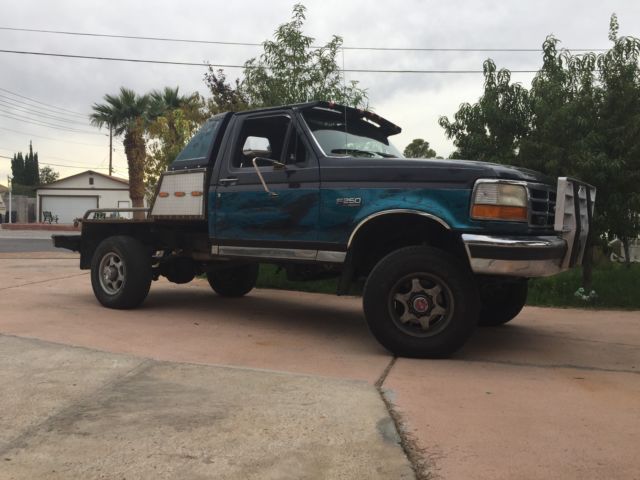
{"x":70,"y":412}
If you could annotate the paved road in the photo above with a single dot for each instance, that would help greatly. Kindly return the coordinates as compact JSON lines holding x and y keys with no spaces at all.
{"x":555,"y":394}
{"x":22,"y":241}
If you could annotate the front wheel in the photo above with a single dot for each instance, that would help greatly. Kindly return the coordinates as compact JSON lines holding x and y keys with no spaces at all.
{"x":421,"y":302}
{"x":121,"y":272}
{"x":233,"y":281}
{"x":502,"y":302}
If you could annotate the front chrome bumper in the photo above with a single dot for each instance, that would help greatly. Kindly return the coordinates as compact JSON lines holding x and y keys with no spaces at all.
{"x":539,"y":256}
{"x":515,"y":256}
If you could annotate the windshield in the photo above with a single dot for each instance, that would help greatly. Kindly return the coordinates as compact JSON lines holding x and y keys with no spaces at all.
{"x":198,"y":147}
{"x":359,"y":139}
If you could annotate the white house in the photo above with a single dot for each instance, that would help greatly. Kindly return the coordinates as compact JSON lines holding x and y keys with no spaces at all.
{"x":71,"y":197}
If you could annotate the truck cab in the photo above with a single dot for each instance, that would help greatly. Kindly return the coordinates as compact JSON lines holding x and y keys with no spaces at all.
{"x":319,"y":189}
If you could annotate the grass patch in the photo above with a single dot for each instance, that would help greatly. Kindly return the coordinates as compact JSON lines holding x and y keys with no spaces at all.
{"x":617,"y":286}
{"x":272,"y":277}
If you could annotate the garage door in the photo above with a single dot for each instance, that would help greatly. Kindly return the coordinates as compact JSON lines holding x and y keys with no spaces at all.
{"x":67,"y":207}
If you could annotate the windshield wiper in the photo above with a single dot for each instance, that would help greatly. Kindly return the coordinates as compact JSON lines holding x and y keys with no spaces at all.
{"x":355,"y":151}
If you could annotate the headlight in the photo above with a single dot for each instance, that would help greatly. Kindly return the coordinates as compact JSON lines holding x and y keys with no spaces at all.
{"x":499,"y":201}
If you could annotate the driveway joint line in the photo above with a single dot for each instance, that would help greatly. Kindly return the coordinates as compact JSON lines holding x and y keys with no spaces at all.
{"x":408,"y":443}
{"x":43,"y":281}
{"x":552,"y":366}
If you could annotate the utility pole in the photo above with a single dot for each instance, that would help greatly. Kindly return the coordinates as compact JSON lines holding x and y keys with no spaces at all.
{"x":10,"y":179}
{"x":110,"y":150}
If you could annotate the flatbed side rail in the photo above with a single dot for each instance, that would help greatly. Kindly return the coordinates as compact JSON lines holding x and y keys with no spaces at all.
{"x":110,"y":214}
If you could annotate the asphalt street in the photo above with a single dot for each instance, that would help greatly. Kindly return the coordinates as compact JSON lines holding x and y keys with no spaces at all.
{"x":22,"y":241}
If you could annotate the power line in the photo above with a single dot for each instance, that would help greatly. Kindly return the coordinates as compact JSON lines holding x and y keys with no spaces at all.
{"x":60,"y":165}
{"x":27,"y":134}
{"x":206,"y":64}
{"x":19,"y":118}
{"x":255,"y":44}
{"x":30,"y":111}
{"x":48,"y":110}
{"x":84,"y":115}
{"x":52,"y":157}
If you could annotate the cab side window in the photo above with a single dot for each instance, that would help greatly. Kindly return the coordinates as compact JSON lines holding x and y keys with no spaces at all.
{"x":262,"y":137}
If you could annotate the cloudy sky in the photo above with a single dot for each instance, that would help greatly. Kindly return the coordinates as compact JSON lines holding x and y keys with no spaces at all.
{"x":414,"y":101}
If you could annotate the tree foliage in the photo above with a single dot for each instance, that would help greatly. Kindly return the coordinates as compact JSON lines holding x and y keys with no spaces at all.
{"x":419,"y":148}
{"x":492,"y":128}
{"x":48,"y":175}
{"x":581,"y":117}
{"x":25,"y":168}
{"x":290,"y":70}
{"x":175,"y":119}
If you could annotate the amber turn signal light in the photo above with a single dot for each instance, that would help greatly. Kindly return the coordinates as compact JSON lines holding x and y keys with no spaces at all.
{"x":499,"y":212}
{"x":163,"y":194}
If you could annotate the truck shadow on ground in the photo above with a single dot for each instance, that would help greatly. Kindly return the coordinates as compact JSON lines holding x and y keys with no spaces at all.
{"x":325,"y":317}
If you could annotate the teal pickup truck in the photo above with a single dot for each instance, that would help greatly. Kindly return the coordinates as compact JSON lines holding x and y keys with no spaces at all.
{"x":318,"y":189}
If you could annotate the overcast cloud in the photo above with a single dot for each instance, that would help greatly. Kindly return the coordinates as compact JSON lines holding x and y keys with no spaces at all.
{"x":413,"y":101}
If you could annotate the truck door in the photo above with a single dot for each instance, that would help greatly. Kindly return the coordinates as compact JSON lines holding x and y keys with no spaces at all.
{"x":281,"y":223}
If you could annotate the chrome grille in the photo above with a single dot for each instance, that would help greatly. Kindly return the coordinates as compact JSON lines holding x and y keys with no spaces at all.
{"x":542,"y":206}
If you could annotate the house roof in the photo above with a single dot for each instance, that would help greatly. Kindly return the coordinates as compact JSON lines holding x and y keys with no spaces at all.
{"x":92,"y":172}
{"x":3,"y":189}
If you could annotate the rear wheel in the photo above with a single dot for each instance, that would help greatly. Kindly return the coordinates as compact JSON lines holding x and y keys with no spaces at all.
{"x":421,"y":302}
{"x":121,"y":272}
{"x":233,"y":281}
{"x":502,"y":301}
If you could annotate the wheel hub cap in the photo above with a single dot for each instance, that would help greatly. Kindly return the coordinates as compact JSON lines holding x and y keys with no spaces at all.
{"x":113,"y":271}
{"x":420,"y":304}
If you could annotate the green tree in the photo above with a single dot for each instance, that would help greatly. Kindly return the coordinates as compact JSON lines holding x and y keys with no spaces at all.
{"x":580,"y":118}
{"x":619,"y":129}
{"x":17,"y":169}
{"x":176,"y":119}
{"x":128,"y":114}
{"x":225,"y":97}
{"x":419,"y":148}
{"x":492,"y":128}
{"x":31,"y":168}
{"x":48,"y":175}
{"x":289,"y":70}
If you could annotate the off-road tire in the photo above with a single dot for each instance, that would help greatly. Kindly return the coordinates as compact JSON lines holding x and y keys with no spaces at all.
{"x":502,"y":303}
{"x":233,"y":281}
{"x":136,"y":272}
{"x":434,"y":265}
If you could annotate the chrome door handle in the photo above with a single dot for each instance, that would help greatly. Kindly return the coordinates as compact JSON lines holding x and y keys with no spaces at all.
{"x":228,"y":181}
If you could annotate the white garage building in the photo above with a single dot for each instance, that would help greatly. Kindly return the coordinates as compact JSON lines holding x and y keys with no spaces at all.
{"x":71,"y":197}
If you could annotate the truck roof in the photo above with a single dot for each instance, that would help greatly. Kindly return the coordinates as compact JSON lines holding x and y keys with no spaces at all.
{"x":386,"y":126}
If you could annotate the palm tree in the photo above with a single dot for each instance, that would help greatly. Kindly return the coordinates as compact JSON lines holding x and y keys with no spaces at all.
{"x":169,"y":99}
{"x":127,"y":113}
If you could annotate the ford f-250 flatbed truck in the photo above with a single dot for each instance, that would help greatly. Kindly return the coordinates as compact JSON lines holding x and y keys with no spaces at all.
{"x":318,"y":189}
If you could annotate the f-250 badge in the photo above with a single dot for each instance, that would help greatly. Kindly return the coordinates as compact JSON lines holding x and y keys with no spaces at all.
{"x":349,"y":201}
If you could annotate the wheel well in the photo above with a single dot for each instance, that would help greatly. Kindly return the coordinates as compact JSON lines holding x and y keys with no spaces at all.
{"x":386,"y":233}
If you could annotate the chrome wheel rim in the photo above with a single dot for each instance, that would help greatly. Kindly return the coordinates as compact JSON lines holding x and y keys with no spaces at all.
{"x":112,"y":273}
{"x":421,"y":304}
